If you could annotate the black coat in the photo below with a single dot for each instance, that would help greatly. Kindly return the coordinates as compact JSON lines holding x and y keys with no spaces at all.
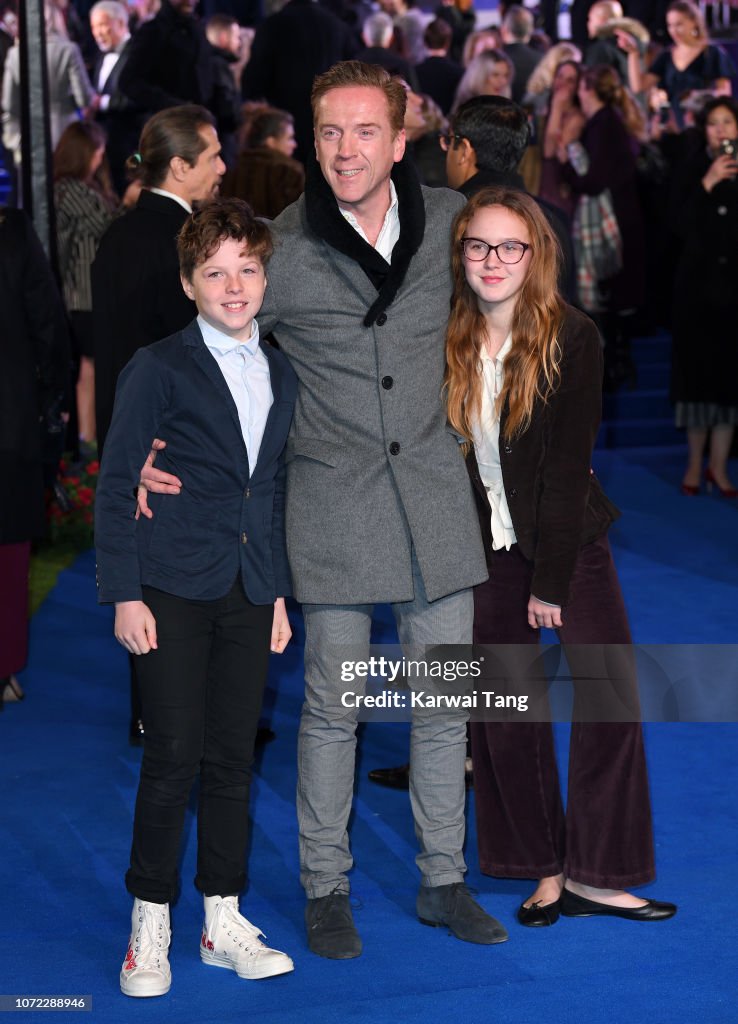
{"x":556,"y":503}
{"x":705,"y":314}
{"x":122,"y":119}
{"x":34,"y":355}
{"x":169,"y":63}
{"x":525,"y":60}
{"x":137,"y":296}
{"x":439,"y":77}
{"x":289,"y":49}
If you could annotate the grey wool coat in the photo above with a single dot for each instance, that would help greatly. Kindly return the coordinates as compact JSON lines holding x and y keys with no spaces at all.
{"x":372,"y":469}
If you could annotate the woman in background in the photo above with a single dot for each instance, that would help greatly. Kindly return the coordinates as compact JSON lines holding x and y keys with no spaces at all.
{"x":266,"y":175}
{"x":523,"y":391}
{"x":691,"y":63}
{"x":704,"y":208}
{"x":610,"y":289}
{"x":85,"y":204}
{"x":489,"y":74}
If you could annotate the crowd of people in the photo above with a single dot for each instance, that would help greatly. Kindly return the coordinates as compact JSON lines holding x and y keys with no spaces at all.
{"x":328,"y":379}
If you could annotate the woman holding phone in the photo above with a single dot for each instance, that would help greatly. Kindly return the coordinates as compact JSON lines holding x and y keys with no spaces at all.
{"x":704,"y":206}
{"x":523,"y":388}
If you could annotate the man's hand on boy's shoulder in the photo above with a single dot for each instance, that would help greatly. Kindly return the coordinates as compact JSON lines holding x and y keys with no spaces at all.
{"x":155,"y":480}
{"x":281,"y":629}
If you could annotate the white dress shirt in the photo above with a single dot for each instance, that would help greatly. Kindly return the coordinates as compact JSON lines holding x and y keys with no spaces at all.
{"x":390,"y":231}
{"x":170,"y":195}
{"x":245,"y":369}
{"x":110,"y":59}
{"x":486,"y":437}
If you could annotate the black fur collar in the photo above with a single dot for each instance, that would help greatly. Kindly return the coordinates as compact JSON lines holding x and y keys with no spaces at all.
{"x":327,"y":222}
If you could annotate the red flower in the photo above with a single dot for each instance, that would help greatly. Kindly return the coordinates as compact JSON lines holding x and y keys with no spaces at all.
{"x":70,"y":481}
{"x":85,"y":496}
{"x":93,"y":468}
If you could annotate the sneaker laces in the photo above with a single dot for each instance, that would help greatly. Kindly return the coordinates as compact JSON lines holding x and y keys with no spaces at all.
{"x":228,"y":918}
{"x":152,"y":937}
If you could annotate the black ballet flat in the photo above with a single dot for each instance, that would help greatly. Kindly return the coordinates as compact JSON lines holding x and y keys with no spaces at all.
{"x":573,"y":905}
{"x":538,"y":916}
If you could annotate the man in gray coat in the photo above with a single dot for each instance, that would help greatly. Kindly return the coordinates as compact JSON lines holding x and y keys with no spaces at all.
{"x":379,"y":507}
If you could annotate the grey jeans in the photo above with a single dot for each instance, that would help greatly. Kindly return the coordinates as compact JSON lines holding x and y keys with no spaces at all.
{"x":327,"y":742}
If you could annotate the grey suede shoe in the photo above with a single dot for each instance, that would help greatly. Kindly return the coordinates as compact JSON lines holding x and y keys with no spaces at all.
{"x":330,"y":927}
{"x":453,"y":906}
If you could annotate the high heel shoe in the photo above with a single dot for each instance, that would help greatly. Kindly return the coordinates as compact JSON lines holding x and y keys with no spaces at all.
{"x":710,"y":482}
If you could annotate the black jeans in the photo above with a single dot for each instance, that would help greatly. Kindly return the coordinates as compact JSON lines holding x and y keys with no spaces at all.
{"x":201,"y":693}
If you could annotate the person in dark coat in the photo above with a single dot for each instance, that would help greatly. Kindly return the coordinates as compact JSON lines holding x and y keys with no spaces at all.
{"x":704,"y":205}
{"x":517,"y":28}
{"x":137,"y":296}
{"x":289,"y":49}
{"x":266,"y":176}
{"x":224,"y":37}
{"x":377,"y":36}
{"x":169,"y":61}
{"x":611,"y":144}
{"x":34,"y":386}
{"x":115,"y":112}
{"x":439,"y":76}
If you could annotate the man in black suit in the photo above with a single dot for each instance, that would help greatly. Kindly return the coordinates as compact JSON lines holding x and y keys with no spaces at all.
{"x":289,"y":49}
{"x":438,"y":76}
{"x":517,"y":28}
{"x":115,"y":112}
{"x":377,"y":34}
{"x":137,"y":296}
{"x":169,"y":61}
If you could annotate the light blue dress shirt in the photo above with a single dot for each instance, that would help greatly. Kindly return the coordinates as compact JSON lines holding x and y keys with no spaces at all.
{"x":245,"y":369}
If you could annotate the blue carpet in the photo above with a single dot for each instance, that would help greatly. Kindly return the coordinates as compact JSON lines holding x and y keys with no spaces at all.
{"x":69,"y":786}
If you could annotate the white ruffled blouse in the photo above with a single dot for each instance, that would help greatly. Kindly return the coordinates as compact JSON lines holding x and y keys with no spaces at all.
{"x":486,"y":437}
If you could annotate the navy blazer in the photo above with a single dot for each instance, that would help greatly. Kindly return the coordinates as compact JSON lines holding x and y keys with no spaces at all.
{"x":229,"y":517}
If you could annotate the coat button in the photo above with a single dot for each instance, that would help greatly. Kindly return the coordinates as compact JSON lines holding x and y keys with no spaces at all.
{"x":394,"y":448}
{"x":508,"y":449}
{"x":722,"y":210}
{"x":244,"y":538}
{"x":512,"y":492}
{"x":382,"y":319}
{"x":387,"y":383}
{"x":247,"y":493}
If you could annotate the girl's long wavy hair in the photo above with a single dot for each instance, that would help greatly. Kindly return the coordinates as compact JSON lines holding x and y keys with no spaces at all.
{"x":532,"y":366}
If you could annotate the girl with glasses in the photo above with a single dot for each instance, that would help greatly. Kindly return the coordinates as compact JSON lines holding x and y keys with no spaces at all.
{"x":523,"y":389}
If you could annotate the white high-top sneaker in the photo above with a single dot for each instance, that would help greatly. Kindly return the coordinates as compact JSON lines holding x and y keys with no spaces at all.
{"x":229,"y":940}
{"x":145,"y":970}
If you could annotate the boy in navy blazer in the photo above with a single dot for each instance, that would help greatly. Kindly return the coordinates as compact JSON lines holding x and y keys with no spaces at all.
{"x":199,"y":592}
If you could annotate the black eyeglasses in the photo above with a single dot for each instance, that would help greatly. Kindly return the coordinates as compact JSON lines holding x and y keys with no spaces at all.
{"x":476,"y":250}
{"x":446,"y":138}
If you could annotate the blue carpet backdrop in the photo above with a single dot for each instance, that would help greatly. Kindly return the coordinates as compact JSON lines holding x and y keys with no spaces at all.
{"x":69,"y":781}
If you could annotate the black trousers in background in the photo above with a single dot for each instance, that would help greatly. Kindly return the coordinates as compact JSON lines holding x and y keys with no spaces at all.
{"x":201,"y":693}
{"x":605,"y":837}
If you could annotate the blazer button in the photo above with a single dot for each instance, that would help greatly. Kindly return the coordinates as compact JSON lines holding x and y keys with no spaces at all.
{"x":512,"y":492}
{"x":387,"y":383}
{"x":382,"y":319}
{"x":394,"y":448}
{"x":244,"y":538}
{"x":247,"y":493}
{"x":508,"y":449}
